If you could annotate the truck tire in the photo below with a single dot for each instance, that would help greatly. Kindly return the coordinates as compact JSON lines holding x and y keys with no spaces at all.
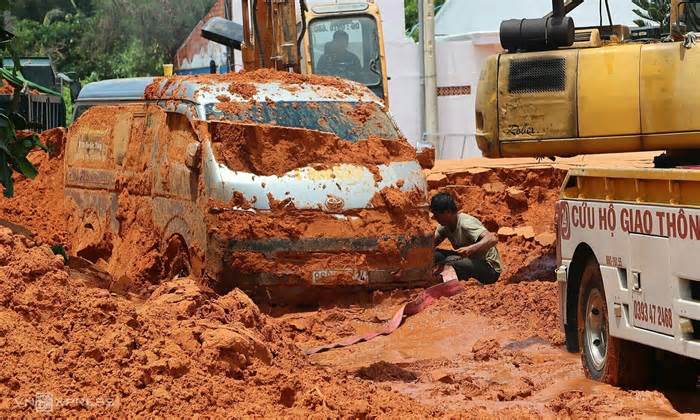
{"x":606,"y":358}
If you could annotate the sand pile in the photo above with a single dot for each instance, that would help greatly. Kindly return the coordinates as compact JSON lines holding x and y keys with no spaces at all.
{"x":268,"y":150}
{"x":38,"y":204}
{"x":182,"y":351}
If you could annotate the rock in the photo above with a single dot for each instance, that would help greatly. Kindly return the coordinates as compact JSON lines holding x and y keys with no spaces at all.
{"x":494,"y":187}
{"x":546,"y":239}
{"x":437,"y":180}
{"x":234,"y":350}
{"x":526,"y":232}
{"x":506,"y":231}
{"x":486,"y":350}
{"x":516,"y":198}
{"x":441,"y":375}
{"x":161,"y":393}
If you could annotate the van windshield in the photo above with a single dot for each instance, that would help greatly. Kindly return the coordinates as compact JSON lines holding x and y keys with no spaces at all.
{"x":351,"y":121}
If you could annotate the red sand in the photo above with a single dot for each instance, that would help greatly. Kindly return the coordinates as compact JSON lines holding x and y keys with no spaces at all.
{"x":182,"y":350}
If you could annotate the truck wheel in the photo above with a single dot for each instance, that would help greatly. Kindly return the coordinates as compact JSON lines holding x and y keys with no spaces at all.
{"x":605,"y":358}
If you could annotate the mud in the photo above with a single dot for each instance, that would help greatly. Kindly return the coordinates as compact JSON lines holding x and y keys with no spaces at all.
{"x":183,"y":351}
{"x":268,"y":150}
{"x":38,"y":204}
{"x":242,"y":83}
{"x":490,"y":352}
{"x":74,"y":342}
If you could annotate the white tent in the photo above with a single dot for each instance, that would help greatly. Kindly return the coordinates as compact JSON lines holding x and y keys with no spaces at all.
{"x":467,"y":16}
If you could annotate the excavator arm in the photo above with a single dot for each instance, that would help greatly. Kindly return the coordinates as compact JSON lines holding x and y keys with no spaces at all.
{"x":270,"y":38}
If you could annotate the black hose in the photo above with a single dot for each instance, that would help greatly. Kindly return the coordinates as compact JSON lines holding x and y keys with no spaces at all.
{"x":304,"y":9}
{"x":607,"y":7}
{"x":600,"y":12}
{"x":256,"y":34}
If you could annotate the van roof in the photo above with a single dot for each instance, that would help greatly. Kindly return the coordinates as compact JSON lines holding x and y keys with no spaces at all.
{"x":259,"y":86}
{"x":115,"y":89}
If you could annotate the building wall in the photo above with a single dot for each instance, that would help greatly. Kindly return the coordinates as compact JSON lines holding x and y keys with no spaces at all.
{"x":196,"y":52}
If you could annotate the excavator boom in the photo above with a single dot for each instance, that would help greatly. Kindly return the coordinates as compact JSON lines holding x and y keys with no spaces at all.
{"x":270,"y":38}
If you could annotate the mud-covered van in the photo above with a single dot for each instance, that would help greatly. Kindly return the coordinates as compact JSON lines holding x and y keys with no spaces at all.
{"x":260,"y":181}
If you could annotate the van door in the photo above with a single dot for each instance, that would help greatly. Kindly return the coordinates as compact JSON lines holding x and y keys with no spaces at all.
{"x":177,"y":175}
{"x":100,"y":157}
{"x":137,"y":154}
{"x":176,"y":181}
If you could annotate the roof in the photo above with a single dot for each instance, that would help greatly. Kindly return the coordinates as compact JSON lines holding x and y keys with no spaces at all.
{"x":115,"y":89}
{"x":203,"y":89}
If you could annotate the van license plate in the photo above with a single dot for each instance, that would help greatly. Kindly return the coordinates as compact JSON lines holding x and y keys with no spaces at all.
{"x":342,"y":277}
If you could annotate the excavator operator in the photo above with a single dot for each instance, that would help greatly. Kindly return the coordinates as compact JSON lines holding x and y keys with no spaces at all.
{"x":475,"y":254}
{"x":337,"y":60}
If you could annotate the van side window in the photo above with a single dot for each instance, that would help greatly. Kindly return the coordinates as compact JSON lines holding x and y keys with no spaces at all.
{"x":120,"y":136}
{"x":174,"y":177}
{"x":140,"y":140}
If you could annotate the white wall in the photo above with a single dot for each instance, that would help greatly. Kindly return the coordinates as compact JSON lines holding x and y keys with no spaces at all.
{"x":404,"y":70}
{"x":459,"y":64}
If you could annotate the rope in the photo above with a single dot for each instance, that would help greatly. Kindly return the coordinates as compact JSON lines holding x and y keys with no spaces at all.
{"x":690,"y":39}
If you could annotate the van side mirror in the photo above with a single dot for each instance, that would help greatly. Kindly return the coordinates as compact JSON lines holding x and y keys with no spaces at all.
{"x":192,"y":156}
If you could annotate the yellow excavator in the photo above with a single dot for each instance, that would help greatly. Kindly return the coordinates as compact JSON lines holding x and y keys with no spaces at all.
{"x":564,"y":91}
{"x":341,"y":38}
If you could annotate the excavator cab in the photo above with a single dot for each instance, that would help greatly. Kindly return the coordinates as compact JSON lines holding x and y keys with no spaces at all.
{"x":345,"y":39}
{"x":340,"y":38}
{"x":689,"y":16}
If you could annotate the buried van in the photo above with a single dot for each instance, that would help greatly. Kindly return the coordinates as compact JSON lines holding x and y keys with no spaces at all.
{"x":263,"y":181}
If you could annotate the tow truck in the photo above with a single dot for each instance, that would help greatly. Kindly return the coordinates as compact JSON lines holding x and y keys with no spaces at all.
{"x":629,"y":285}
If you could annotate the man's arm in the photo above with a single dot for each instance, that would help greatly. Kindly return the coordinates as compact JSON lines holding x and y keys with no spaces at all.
{"x":487,"y":240}
{"x":438,"y":238}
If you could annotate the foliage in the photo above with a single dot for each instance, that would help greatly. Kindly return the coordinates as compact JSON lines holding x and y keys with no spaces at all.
{"x":69,"y":105}
{"x":101,"y":39}
{"x":13,"y":154}
{"x":655,"y":11}
{"x":411,"y":15}
{"x":14,"y":149}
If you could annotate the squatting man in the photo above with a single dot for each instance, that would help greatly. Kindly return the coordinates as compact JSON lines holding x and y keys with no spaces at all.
{"x":475,"y":254}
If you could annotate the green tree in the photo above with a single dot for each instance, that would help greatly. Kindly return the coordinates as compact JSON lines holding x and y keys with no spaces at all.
{"x":654,"y":11}
{"x":13,"y":148}
{"x":411,"y":16}
{"x":101,"y":39}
